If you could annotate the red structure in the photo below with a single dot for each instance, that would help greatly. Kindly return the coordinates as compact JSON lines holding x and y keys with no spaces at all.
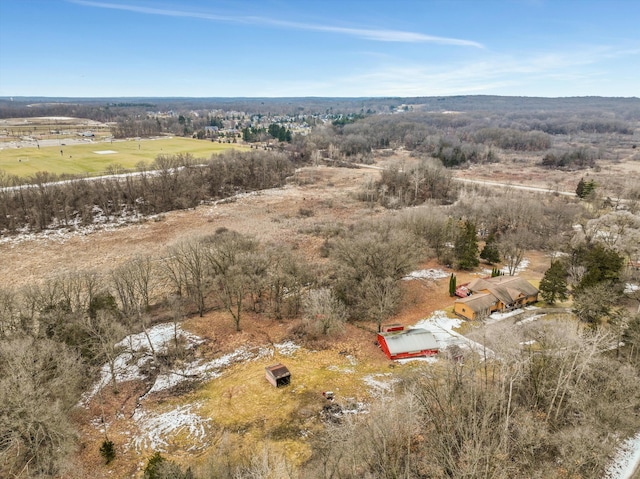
{"x":388,"y":328}
{"x":410,"y":343}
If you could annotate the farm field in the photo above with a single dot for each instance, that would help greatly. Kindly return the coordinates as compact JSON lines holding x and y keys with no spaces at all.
{"x":93,"y":157}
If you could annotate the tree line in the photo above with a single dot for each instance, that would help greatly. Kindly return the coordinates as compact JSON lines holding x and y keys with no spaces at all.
{"x":170,"y":183}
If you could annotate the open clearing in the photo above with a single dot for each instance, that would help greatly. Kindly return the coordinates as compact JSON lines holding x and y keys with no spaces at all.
{"x":89,"y":157}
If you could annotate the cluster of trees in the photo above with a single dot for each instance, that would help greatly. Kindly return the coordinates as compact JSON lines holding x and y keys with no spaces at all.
{"x":275,"y":131}
{"x":585,"y":189}
{"x":575,"y":159}
{"x":511,"y":139}
{"x":398,"y":188}
{"x":170,"y":183}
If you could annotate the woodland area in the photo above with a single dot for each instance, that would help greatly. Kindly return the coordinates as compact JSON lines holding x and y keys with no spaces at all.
{"x":552,"y":398}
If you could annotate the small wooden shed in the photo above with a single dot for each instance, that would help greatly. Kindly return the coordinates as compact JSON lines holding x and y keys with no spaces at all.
{"x":278,"y":375}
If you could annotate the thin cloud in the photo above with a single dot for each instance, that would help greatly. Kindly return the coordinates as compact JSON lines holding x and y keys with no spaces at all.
{"x":364,"y":33}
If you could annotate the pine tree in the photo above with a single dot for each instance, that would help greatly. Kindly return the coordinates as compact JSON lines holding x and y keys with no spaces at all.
{"x":490,"y":252}
{"x":585,"y":188}
{"x":580,"y":188}
{"x":452,"y":285}
{"x":466,"y":246}
{"x":553,"y":285}
{"x":108,"y":451}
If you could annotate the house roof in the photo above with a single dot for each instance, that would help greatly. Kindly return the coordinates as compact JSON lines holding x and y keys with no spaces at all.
{"x":410,"y":340}
{"x":478,"y":302}
{"x":506,"y":288}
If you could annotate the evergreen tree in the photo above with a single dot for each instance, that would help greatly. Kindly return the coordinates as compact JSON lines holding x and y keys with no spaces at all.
{"x":108,"y":451}
{"x":553,"y":285}
{"x":603,"y":265}
{"x":466,"y":246}
{"x":490,"y":252}
{"x":452,"y":285}
{"x":580,"y":188}
{"x":585,"y":188}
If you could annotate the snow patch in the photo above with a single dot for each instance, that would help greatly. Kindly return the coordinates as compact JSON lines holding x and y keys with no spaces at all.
{"x":159,"y":431}
{"x":630,"y":288}
{"x":287,"y":348}
{"x":381,"y":384}
{"x":426,"y":274}
{"x":626,"y":460}
{"x":136,"y":356}
{"x":425,"y":359}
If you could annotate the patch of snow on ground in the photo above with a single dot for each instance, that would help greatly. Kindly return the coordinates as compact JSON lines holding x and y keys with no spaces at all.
{"x":425,"y":359}
{"x":287,"y":348}
{"x":426,"y":274}
{"x":158,"y":430}
{"x":380,"y":387}
{"x":524,"y":264}
{"x":530,"y":319}
{"x":626,"y":460}
{"x":630,"y":288}
{"x":136,"y":355}
{"x":442,"y":328}
{"x":495,"y":317}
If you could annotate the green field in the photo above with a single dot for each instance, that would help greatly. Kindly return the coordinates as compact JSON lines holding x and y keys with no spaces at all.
{"x":100,"y":157}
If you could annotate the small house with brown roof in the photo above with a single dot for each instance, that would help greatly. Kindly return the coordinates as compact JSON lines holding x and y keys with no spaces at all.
{"x":501,"y":293}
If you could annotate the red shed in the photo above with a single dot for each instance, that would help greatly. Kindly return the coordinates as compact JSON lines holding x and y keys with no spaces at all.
{"x":410,"y":343}
{"x":278,"y":375}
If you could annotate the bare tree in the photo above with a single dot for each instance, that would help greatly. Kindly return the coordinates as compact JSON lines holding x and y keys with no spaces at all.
{"x":324,"y":313}
{"x":513,"y":246}
{"x":39,"y":384}
{"x":187,"y":269}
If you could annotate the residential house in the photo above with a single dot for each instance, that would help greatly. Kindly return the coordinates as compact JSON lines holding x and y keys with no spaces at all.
{"x":488,"y":295}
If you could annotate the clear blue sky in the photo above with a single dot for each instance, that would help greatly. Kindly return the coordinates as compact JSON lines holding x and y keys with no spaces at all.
{"x":227,"y":48}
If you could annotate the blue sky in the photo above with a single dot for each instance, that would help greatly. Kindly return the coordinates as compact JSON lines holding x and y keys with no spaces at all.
{"x":353,"y":48}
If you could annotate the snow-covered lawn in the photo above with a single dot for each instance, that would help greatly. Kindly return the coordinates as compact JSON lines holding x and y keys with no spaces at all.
{"x":158,"y":431}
